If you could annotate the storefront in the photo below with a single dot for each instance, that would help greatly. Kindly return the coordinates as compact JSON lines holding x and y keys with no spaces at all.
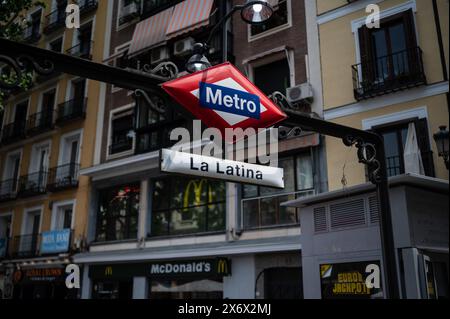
{"x":179,"y":279}
{"x":41,"y":283}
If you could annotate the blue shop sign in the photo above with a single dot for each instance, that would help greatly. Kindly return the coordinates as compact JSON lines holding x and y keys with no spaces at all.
{"x":56,"y":241}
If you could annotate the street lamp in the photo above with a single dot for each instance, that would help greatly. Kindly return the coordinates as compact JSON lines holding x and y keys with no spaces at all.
{"x":252,"y":12}
{"x":441,"y":139}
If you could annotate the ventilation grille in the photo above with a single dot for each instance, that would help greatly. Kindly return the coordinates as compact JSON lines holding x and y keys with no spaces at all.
{"x":320,"y":219}
{"x":347,"y":214}
{"x":374,"y":210}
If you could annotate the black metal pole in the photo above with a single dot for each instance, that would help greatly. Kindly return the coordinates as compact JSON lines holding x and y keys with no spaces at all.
{"x":386,"y":228}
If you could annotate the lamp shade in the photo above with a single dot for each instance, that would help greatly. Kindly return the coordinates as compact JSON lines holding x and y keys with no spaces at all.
{"x":256,"y":11}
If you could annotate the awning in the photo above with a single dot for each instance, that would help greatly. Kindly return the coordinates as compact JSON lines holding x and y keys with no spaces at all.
{"x":150,"y":32}
{"x":189,"y":15}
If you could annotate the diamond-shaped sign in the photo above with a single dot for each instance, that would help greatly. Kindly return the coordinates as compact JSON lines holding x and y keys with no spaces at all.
{"x":222,"y":97}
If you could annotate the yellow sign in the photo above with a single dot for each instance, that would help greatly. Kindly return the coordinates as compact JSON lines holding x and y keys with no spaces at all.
{"x":222,"y":266}
{"x":198,"y":187}
{"x":108,"y":271}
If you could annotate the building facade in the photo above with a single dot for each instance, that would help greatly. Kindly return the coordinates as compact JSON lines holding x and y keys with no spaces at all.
{"x":82,"y":158}
{"x":46,"y":138}
{"x":139,"y":217}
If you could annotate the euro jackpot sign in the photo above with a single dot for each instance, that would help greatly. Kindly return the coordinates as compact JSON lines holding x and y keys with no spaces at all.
{"x":357,"y":280}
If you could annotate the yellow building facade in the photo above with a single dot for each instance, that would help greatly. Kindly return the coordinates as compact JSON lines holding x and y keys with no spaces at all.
{"x":48,"y":135}
{"x":383,"y":79}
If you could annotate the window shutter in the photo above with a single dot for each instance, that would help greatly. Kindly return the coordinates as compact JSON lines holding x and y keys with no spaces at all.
{"x":365,"y":49}
{"x":408,"y":20}
{"x":424,"y":145}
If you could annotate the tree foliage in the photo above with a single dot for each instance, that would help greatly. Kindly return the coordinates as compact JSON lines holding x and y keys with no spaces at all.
{"x":13,"y":21}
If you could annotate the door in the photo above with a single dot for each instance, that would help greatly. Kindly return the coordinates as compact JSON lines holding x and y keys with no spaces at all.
{"x":78,"y":91}
{"x":20,"y":118}
{"x":48,"y":102}
{"x":73,"y":159}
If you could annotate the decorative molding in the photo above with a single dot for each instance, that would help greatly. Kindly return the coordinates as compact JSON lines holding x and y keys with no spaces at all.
{"x":419,"y":112}
{"x":345,"y":10}
{"x":356,"y":24}
{"x":386,"y":100}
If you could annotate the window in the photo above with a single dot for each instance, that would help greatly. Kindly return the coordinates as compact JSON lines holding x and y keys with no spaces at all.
{"x":187,"y":206}
{"x":122,"y":132}
{"x":390,"y":57}
{"x":261,"y":205}
{"x":33,"y":31}
{"x":280,"y":18}
{"x":62,"y":218}
{"x":394,"y":145}
{"x":153,"y":128}
{"x":117,"y":216}
{"x":56,"y":45}
{"x":8,"y":186}
{"x":274,"y":76}
{"x":152,"y":7}
{"x":83,"y":42}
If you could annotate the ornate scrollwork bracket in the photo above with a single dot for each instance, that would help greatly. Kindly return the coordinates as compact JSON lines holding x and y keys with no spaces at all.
{"x":367,"y":155}
{"x":156,"y":106}
{"x":281,"y":100}
{"x":167,"y":70}
{"x":20,"y":65}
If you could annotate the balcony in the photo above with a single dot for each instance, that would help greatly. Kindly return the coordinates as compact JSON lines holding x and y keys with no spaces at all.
{"x":87,"y":6}
{"x":32,"y":184}
{"x":71,"y":110}
{"x":13,"y":132}
{"x":63,"y":177}
{"x":39,"y":123}
{"x":391,"y":73}
{"x":120,"y":146}
{"x":55,"y":20}
{"x":25,"y":246}
{"x":31,"y":34}
{"x":81,"y":50}
{"x":8,"y":190}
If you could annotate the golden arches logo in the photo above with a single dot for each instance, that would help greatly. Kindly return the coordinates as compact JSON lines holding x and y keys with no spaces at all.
{"x":222,"y":266}
{"x":198,"y":187}
{"x":108,"y":271}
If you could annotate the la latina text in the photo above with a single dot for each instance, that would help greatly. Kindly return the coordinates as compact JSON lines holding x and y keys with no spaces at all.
{"x":229,"y":170}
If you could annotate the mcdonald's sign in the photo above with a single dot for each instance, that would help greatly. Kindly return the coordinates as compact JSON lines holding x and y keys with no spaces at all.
{"x":108,"y":271}
{"x":223,"y":267}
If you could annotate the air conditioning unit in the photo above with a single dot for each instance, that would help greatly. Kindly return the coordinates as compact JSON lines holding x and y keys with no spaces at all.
{"x":183,"y":47}
{"x":130,"y":9}
{"x":300,"y":93}
{"x":159,"y":54}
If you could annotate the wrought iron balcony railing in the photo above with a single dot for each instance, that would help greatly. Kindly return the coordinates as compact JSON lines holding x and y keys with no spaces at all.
{"x":55,"y":19}
{"x":120,"y":146}
{"x":63,"y":177}
{"x":71,"y":110}
{"x":391,"y":73}
{"x":82,"y":50}
{"x":13,"y":132}
{"x":33,"y":184}
{"x":25,"y":246}
{"x":39,"y":122}
{"x":87,"y":6}
{"x":31,"y":34}
{"x":8,"y":189}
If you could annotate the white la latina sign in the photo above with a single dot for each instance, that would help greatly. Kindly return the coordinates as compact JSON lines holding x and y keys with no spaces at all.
{"x":211,"y":167}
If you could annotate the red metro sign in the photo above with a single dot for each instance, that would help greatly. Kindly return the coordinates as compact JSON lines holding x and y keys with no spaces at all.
{"x":222,"y":97}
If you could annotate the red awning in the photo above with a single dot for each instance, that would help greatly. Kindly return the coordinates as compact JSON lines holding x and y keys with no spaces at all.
{"x":150,"y":32}
{"x":189,"y":15}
